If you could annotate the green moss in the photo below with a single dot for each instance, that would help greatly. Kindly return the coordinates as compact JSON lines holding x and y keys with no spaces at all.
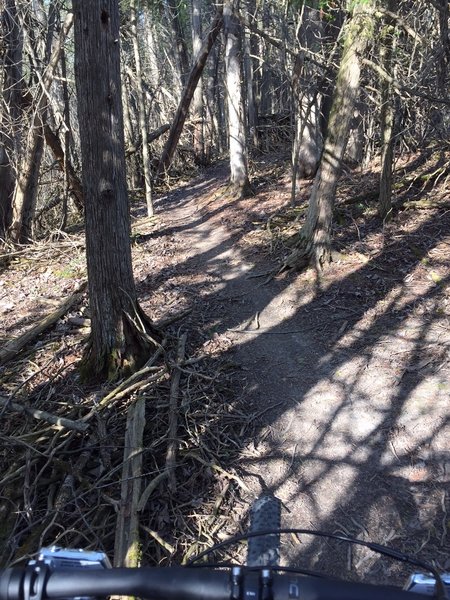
{"x":134,"y":554}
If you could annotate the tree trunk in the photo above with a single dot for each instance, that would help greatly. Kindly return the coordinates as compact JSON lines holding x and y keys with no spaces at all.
{"x":265,"y":100}
{"x":444,"y":57}
{"x":60,"y":154}
{"x":146,"y":157}
{"x":130,"y":137}
{"x":197,"y":101}
{"x":307,"y":142}
{"x":66,"y":165}
{"x":25,"y":192}
{"x":252,"y":116}
{"x":313,"y":244}
{"x":172,"y":7}
{"x":10,"y":137}
{"x":239,"y":182}
{"x":212,"y":131}
{"x":119,"y":340}
{"x":387,"y":117}
{"x":6,"y":189}
{"x":354,"y":151}
{"x":183,"y":107}
{"x":332,"y":29}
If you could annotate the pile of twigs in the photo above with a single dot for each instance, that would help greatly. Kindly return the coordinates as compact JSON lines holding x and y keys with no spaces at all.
{"x":142,"y":471}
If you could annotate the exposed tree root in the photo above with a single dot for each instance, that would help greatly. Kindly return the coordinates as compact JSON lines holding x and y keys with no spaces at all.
{"x":239,"y":191}
{"x":308,"y":251}
{"x":136,"y":338}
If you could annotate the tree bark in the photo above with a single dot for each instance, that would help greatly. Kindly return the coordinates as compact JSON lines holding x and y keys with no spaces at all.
{"x":146,"y":157}
{"x":120,"y":332}
{"x":183,"y":107}
{"x":10,"y":133}
{"x":25,"y":191}
{"x":172,"y":7}
{"x":313,"y":243}
{"x":308,"y":141}
{"x":130,"y":136}
{"x":252,"y":113}
{"x":387,"y":117}
{"x":66,"y":165}
{"x":239,"y":181}
{"x":74,"y":184}
{"x":197,"y":102}
{"x":265,"y":100}
{"x":444,"y":58}
{"x":212,"y":131}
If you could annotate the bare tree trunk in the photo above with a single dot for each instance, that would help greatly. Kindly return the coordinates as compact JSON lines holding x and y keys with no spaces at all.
{"x":239,"y":182}
{"x":220,"y":101}
{"x":197,"y":102}
{"x":119,"y":340}
{"x":60,"y":154}
{"x":444,"y":59}
{"x":313,"y":244}
{"x":183,"y":107}
{"x":265,"y":105}
{"x":130,"y":137}
{"x":67,"y":142}
{"x":25,"y":192}
{"x":308,"y":140}
{"x":153,"y":66}
{"x":172,"y":7}
{"x":252,"y":116}
{"x":146,"y":157}
{"x":10,"y":132}
{"x":331,"y":33}
{"x":354,"y":151}
{"x":159,"y":112}
{"x":387,"y":117}
{"x":6,"y":189}
{"x":213,"y":107}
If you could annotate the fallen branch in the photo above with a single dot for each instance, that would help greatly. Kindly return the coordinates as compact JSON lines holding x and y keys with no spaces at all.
{"x":150,"y":489}
{"x":132,"y":383}
{"x":154,"y":135}
{"x":173,"y":415}
{"x":219,"y":469}
{"x":126,"y":547}
{"x":155,"y":535}
{"x":13,"y":347}
{"x":42,"y":415}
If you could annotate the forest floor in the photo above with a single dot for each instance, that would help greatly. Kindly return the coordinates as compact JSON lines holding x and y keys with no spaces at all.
{"x":330,"y":389}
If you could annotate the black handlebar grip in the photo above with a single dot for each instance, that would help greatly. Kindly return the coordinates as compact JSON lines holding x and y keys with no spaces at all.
{"x":11,"y":583}
{"x":156,"y":583}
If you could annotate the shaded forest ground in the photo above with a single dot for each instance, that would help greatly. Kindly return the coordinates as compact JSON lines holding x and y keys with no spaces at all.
{"x":330,"y":390}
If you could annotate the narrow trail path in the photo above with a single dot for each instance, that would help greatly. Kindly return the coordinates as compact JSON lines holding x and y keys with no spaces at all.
{"x":349,"y":378}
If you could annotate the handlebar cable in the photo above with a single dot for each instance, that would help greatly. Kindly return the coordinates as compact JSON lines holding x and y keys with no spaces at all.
{"x":440,"y":590}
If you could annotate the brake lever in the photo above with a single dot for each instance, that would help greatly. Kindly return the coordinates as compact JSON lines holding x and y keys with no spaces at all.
{"x":54,"y":557}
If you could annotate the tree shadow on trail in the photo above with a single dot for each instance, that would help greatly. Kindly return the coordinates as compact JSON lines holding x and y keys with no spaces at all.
{"x":351,"y":381}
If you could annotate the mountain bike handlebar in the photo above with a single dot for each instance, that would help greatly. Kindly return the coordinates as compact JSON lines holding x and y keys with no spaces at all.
{"x":39,"y":582}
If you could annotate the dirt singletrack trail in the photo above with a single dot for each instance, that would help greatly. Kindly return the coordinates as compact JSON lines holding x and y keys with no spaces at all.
{"x":347,"y":373}
{"x":330,"y":390}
